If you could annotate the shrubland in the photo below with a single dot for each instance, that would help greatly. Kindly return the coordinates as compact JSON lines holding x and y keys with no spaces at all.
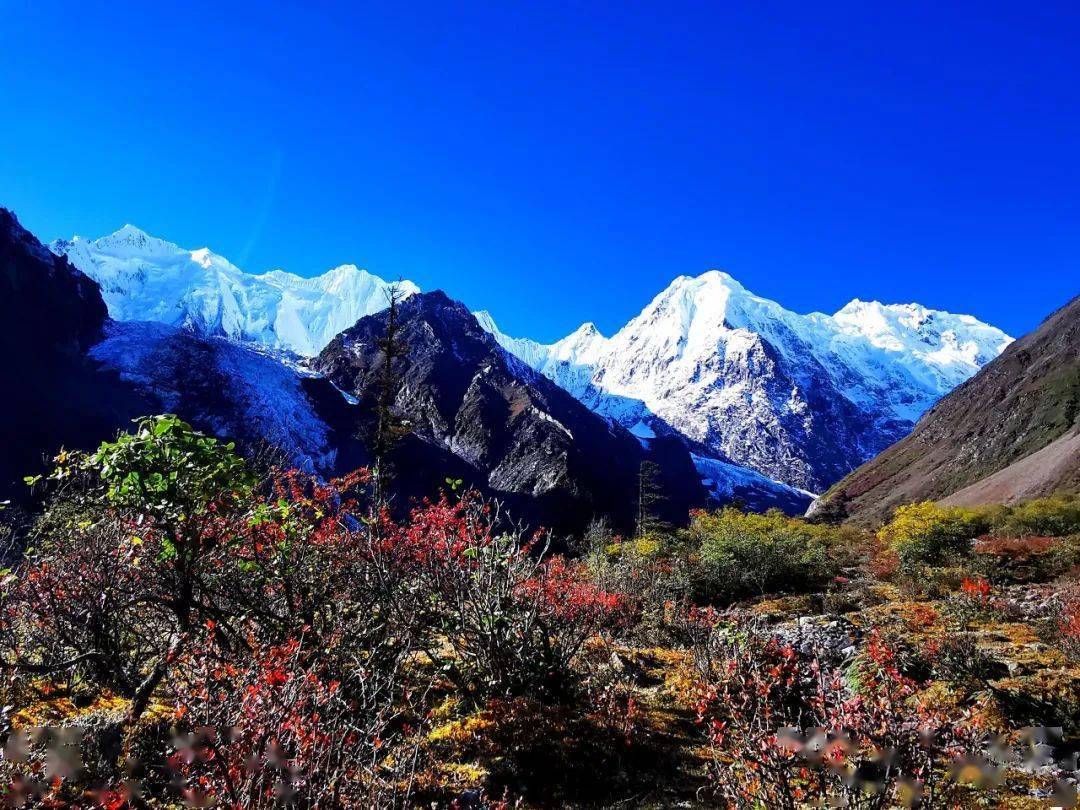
{"x":186,"y":628}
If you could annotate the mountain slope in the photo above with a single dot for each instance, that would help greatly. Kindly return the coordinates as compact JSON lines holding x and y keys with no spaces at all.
{"x":800,"y":398}
{"x":522,"y":435}
{"x":147,"y":279}
{"x":1008,"y":432}
{"x":71,"y":377}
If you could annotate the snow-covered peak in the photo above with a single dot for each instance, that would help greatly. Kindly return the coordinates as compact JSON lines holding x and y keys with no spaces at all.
{"x":585,"y":345}
{"x":694,"y":311}
{"x":203,"y":256}
{"x":941,"y":348}
{"x":892,"y":326}
{"x":143,"y":278}
{"x":798,"y":397}
{"x":130,"y":241}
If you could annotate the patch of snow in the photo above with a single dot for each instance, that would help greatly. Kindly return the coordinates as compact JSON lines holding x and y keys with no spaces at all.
{"x":547,"y":417}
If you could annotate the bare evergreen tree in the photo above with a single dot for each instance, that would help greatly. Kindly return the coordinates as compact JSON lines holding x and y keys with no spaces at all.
{"x":390,"y":427}
{"x":650,"y":496}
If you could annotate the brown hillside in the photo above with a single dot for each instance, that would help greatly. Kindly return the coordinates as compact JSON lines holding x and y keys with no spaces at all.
{"x":979,"y":443}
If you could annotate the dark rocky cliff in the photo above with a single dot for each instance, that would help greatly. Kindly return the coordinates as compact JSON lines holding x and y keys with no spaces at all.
{"x":522,"y":437}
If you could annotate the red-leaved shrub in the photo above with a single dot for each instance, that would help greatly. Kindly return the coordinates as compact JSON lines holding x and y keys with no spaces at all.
{"x":787,"y":731}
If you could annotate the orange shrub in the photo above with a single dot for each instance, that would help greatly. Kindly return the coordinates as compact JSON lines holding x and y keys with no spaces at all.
{"x":1016,"y":559}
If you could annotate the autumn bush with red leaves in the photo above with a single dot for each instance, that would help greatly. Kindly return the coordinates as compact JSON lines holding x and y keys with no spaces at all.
{"x":787,"y":731}
{"x":288,"y":632}
{"x":505,"y":618}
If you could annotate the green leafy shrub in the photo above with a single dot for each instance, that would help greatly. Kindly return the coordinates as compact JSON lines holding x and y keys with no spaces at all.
{"x":928,"y":534}
{"x":1055,"y":516}
{"x":1003,"y":543}
{"x":654,"y":574}
{"x":749,"y":554}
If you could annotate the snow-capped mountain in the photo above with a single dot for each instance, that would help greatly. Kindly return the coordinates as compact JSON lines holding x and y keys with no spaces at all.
{"x":802,"y":399}
{"x":147,"y":279}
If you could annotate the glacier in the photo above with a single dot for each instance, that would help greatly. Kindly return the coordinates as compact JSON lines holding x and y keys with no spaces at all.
{"x":143,"y":278}
{"x":225,"y":387}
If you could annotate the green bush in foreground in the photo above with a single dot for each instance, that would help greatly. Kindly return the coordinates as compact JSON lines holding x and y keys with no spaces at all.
{"x":745,"y":554}
{"x":928,"y":534}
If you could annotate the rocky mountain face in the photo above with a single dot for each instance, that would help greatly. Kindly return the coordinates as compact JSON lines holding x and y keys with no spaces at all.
{"x":802,"y":399}
{"x":143,"y":278}
{"x":72,"y":377}
{"x":522,"y":435}
{"x":1012,"y":431}
{"x":226,"y":389}
{"x":480,"y":414}
{"x":50,"y":314}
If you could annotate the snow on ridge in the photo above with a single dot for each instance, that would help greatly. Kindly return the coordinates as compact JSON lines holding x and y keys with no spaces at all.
{"x":143,"y":278}
{"x":801,"y":398}
{"x":711,"y":359}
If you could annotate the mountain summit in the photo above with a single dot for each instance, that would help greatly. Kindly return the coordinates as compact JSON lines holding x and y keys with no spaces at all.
{"x":800,"y":398}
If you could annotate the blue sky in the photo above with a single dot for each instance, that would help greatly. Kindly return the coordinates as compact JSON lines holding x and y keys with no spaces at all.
{"x":558,"y":162}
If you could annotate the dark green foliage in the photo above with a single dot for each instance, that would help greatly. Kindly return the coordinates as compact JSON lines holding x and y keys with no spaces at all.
{"x":928,"y":534}
{"x":1056,"y":516}
{"x":649,"y":499}
{"x":748,"y":554}
{"x":390,"y":427}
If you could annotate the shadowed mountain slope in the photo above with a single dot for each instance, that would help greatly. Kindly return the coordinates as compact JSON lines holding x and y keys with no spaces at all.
{"x":50,"y":314}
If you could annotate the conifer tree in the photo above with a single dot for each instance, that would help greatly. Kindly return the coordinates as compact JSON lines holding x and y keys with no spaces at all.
{"x":650,"y":496}
{"x":390,"y":427}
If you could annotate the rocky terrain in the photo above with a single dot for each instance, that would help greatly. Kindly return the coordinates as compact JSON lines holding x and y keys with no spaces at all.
{"x":50,"y":314}
{"x":520,"y":432}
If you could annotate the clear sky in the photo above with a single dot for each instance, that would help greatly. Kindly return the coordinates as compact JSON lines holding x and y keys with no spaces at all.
{"x":561,"y":162}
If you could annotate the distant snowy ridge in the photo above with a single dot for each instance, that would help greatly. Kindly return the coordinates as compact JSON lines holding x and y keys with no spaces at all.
{"x":143,"y":278}
{"x":800,"y":398}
